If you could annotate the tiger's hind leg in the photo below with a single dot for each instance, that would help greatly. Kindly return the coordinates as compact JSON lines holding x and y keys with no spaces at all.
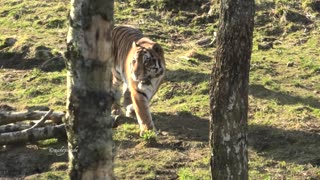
{"x":116,"y":90}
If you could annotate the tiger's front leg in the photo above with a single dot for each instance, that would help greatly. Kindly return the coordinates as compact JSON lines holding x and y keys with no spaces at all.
{"x":141,"y":107}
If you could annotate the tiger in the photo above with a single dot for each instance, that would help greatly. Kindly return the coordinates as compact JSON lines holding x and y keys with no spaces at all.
{"x":139,"y":66}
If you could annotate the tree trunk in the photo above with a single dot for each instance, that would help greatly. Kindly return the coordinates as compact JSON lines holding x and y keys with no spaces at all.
{"x":229,"y":91}
{"x":89,"y":62}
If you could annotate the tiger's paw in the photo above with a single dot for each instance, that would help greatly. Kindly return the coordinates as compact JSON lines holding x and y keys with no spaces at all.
{"x":130,"y":111}
{"x":148,"y":130}
{"x":116,"y":110}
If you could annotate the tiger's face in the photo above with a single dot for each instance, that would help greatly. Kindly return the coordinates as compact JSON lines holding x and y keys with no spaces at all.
{"x":146,"y":64}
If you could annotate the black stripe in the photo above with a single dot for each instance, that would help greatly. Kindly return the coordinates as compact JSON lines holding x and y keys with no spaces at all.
{"x":159,"y":64}
{"x":118,"y":79}
{"x":144,"y":94}
{"x":159,"y":73}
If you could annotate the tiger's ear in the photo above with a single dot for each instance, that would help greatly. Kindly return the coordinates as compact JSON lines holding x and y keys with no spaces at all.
{"x":157,"y":48}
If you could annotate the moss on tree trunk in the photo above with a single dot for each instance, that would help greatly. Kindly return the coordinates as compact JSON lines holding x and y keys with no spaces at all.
{"x":229,"y":90}
{"x":89,"y":99}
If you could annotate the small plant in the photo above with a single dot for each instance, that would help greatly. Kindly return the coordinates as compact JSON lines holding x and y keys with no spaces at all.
{"x":149,"y":136}
{"x":48,"y":142}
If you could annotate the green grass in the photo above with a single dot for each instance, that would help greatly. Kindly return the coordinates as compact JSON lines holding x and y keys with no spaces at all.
{"x":37,"y":88}
{"x":197,"y":170}
{"x":284,"y":101}
{"x":56,"y":175}
{"x":149,"y":136}
{"x":193,"y":174}
{"x":48,"y":142}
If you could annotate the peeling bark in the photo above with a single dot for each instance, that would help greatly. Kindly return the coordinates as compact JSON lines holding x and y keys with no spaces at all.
{"x":89,"y":62}
{"x":229,"y":91}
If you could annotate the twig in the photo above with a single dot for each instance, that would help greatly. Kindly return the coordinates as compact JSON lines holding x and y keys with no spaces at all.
{"x":46,"y":62}
{"x":41,"y":121}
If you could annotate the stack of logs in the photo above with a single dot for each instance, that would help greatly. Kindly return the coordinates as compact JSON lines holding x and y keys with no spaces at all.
{"x":13,"y":128}
{"x":41,"y":125}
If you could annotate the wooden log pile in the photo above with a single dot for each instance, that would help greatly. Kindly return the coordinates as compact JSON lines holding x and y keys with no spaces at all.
{"x":32,"y":126}
{"x":14,"y":130}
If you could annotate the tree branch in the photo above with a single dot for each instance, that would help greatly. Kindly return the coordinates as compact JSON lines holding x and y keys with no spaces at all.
{"x":41,"y":121}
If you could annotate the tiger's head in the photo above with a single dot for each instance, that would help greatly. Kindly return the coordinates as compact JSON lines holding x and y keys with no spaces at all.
{"x":147,"y":63}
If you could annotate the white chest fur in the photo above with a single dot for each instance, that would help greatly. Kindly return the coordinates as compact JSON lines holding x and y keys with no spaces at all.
{"x":150,"y":89}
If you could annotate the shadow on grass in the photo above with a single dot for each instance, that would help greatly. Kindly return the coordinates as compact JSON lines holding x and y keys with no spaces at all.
{"x":23,"y":160}
{"x":282,"y":98}
{"x":184,"y":126}
{"x":264,"y":6}
{"x":17,"y":60}
{"x":180,"y":132}
{"x":175,"y":6}
{"x":293,"y":146}
{"x":182,"y":75}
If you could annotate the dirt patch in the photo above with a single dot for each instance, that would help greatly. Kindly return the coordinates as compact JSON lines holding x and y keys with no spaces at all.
{"x":19,"y":161}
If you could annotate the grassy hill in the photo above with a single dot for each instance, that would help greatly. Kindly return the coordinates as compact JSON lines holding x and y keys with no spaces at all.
{"x":284,"y":99}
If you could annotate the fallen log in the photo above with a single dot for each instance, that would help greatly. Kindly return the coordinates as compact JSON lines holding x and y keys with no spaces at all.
{"x":32,"y":135}
{"x":13,"y":117}
{"x":13,"y":127}
{"x":35,"y":133}
{"x":19,"y":126}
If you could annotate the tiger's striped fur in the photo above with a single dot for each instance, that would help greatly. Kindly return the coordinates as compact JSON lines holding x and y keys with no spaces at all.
{"x":139,"y":66}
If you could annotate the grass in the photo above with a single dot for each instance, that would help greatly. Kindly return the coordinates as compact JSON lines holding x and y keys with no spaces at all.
{"x":284,"y":100}
{"x":193,"y":174}
{"x":149,"y":136}
{"x":56,"y":175}
{"x":36,"y":88}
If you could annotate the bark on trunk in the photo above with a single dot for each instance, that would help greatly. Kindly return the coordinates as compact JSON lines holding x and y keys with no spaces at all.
{"x":89,"y":63}
{"x":229,"y":91}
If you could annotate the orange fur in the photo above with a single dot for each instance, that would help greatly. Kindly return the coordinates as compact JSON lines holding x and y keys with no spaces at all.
{"x":140,"y":66}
